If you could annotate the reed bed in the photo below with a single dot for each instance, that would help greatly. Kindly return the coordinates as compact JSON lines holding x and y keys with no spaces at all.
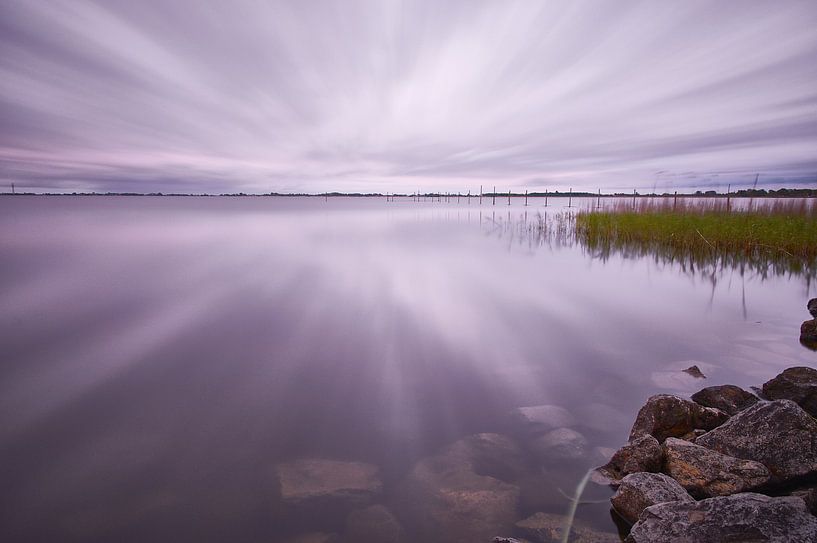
{"x":767,"y":236}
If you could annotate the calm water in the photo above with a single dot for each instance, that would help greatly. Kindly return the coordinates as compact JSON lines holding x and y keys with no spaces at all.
{"x":161,"y":356}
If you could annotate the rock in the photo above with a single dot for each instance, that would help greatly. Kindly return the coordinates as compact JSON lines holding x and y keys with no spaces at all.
{"x":319,"y":480}
{"x":695,"y":371}
{"x":808,"y":330}
{"x":375,"y":524}
{"x":778,"y":434}
{"x":499,"y":539}
{"x":641,"y":490}
{"x":641,"y":454}
{"x":692,"y":436}
{"x":798,"y":384}
{"x":542,"y":418}
{"x":457,"y":495}
{"x":728,"y":398}
{"x":601,"y":417}
{"x":809,"y":497}
{"x":561,"y":444}
{"x":549,"y":528}
{"x":812,"y":307}
{"x":705,"y":473}
{"x":743,"y":517}
{"x":666,"y":416}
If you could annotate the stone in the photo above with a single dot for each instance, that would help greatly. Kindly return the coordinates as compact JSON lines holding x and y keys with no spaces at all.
{"x":374,"y":524}
{"x":778,"y":434}
{"x":316,"y":482}
{"x":695,"y":371}
{"x":809,"y":497}
{"x":499,"y":539}
{"x":812,"y":307}
{"x":745,"y":517}
{"x":561,"y":444}
{"x":542,"y":418}
{"x":549,"y":528}
{"x":728,"y":398}
{"x":641,"y":454}
{"x":641,"y":490}
{"x":459,"y":494}
{"x":798,"y":384}
{"x":666,"y":416}
{"x":705,"y":473}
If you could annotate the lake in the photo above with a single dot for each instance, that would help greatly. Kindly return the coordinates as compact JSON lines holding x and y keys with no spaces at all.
{"x":205,"y":369}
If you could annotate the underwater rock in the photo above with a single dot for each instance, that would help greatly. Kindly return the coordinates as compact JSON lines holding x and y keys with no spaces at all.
{"x":315,"y":485}
{"x":666,"y":416}
{"x":375,"y":524}
{"x":705,"y":473}
{"x":542,"y":418}
{"x":728,"y":398}
{"x":778,"y":434}
{"x":798,"y":384}
{"x":641,"y":454}
{"x":549,"y":528}
{"x":812,"y":307}
{"x":561,"y":444}
{"x":695,"y":371}
{"x":458,"y":496}
{"x":641,"y":490}
{"x":739,"y":517}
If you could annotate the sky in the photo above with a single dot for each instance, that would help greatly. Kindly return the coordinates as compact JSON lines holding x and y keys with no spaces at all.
{"x":384,"y":96}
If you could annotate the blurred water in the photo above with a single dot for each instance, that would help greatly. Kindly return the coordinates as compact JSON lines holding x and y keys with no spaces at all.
{"x":161,"y":355}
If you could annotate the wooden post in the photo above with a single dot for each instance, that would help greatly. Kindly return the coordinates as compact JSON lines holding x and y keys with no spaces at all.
{"x":493,"y":197}
{"x":633,"y":198}
{"x":598,"y":200}
{"x":526,"y":198}
{"x":570,"y":198}
{"x":728,"y":191}
{"x":546,"y":197}
{"x":509,"y":197}
{"x":469,"y":197}
{"x":675,"y":201}
{"x":480,"y":195}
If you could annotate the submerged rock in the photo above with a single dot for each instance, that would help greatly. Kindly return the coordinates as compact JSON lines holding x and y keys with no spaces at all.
{"x":798,"y":384}
{"x":778,"y":434}
{"x":812,"y":307}
{"x":730,"y":399}
{"x":666,"y":416}
{"x":318,"y":481}
{"x":542,"y":418}
{"x":641,"y":490}
{"x":561,"y":444}
{"x":641,"y":454}
{"x":705,"y":473}
{"x":458,"y":496}
{"x":549,"y":528}
{"x":375,"y":524}
{"x":740,"y":517}
{"x":695,"y":371}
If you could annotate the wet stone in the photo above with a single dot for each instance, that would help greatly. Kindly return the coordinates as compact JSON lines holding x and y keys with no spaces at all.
{"x":798,"y":384}
{"x":641,"y":490}
{"x":542,"y":418}
{"x":561,"y":444}
{"x":375,"y":524}
{"x":730,"y":399}
{"x":641,"y":454}
{"x":666,"y":416}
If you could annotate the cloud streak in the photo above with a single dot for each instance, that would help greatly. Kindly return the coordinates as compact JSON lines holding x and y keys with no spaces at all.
{"x":198,"y":96}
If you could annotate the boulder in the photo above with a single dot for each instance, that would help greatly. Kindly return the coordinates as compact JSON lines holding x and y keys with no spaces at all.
{"x":561,"y":444}
{"x":374,"y":524}
{"x":740,"y":517}
{"x":641,"y":490}
{"x":316,"y":484}
{"x":705,"y":473}
{"x":459,"y":495}
{"x":665,"y":415}
{"x":695,"y":372}
{"x":812,"y":307}
{"x":808,"y":334}
{"x":728,"y":398}
{"x":549,"y":528}
{"x":778,"y":434}
{"x":809,"y":496}
{"x":798,"y":384}
{"x":641,"y":454}
{"x":537,"y":419}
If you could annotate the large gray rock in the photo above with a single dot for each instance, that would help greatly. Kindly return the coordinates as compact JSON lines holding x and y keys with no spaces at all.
{"x":641,"y":454}
{"x":549,"y":528}
{"x":705,"y":473}
{"x":798,"y":384}
{"x":812,"y":307}
{"x":560,"y":444}
{"x":316,"y":483}
{"x":778,"y":434}
{"x":728,"y":398}
{"x":375,"y":524}
{"x":666,"y":416}
{"x":459,"y":495}
{"x":641,"y":490}
{"x":743,"y":517}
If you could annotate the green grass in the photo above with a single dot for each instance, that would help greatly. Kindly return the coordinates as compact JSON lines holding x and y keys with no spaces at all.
{"x":779,"y":236}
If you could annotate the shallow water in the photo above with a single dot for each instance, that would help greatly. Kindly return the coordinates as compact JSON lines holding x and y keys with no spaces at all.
{"x":161,"y":356}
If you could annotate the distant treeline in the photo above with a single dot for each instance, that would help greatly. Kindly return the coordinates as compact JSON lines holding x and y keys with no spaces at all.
{"x":743,"y":193}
